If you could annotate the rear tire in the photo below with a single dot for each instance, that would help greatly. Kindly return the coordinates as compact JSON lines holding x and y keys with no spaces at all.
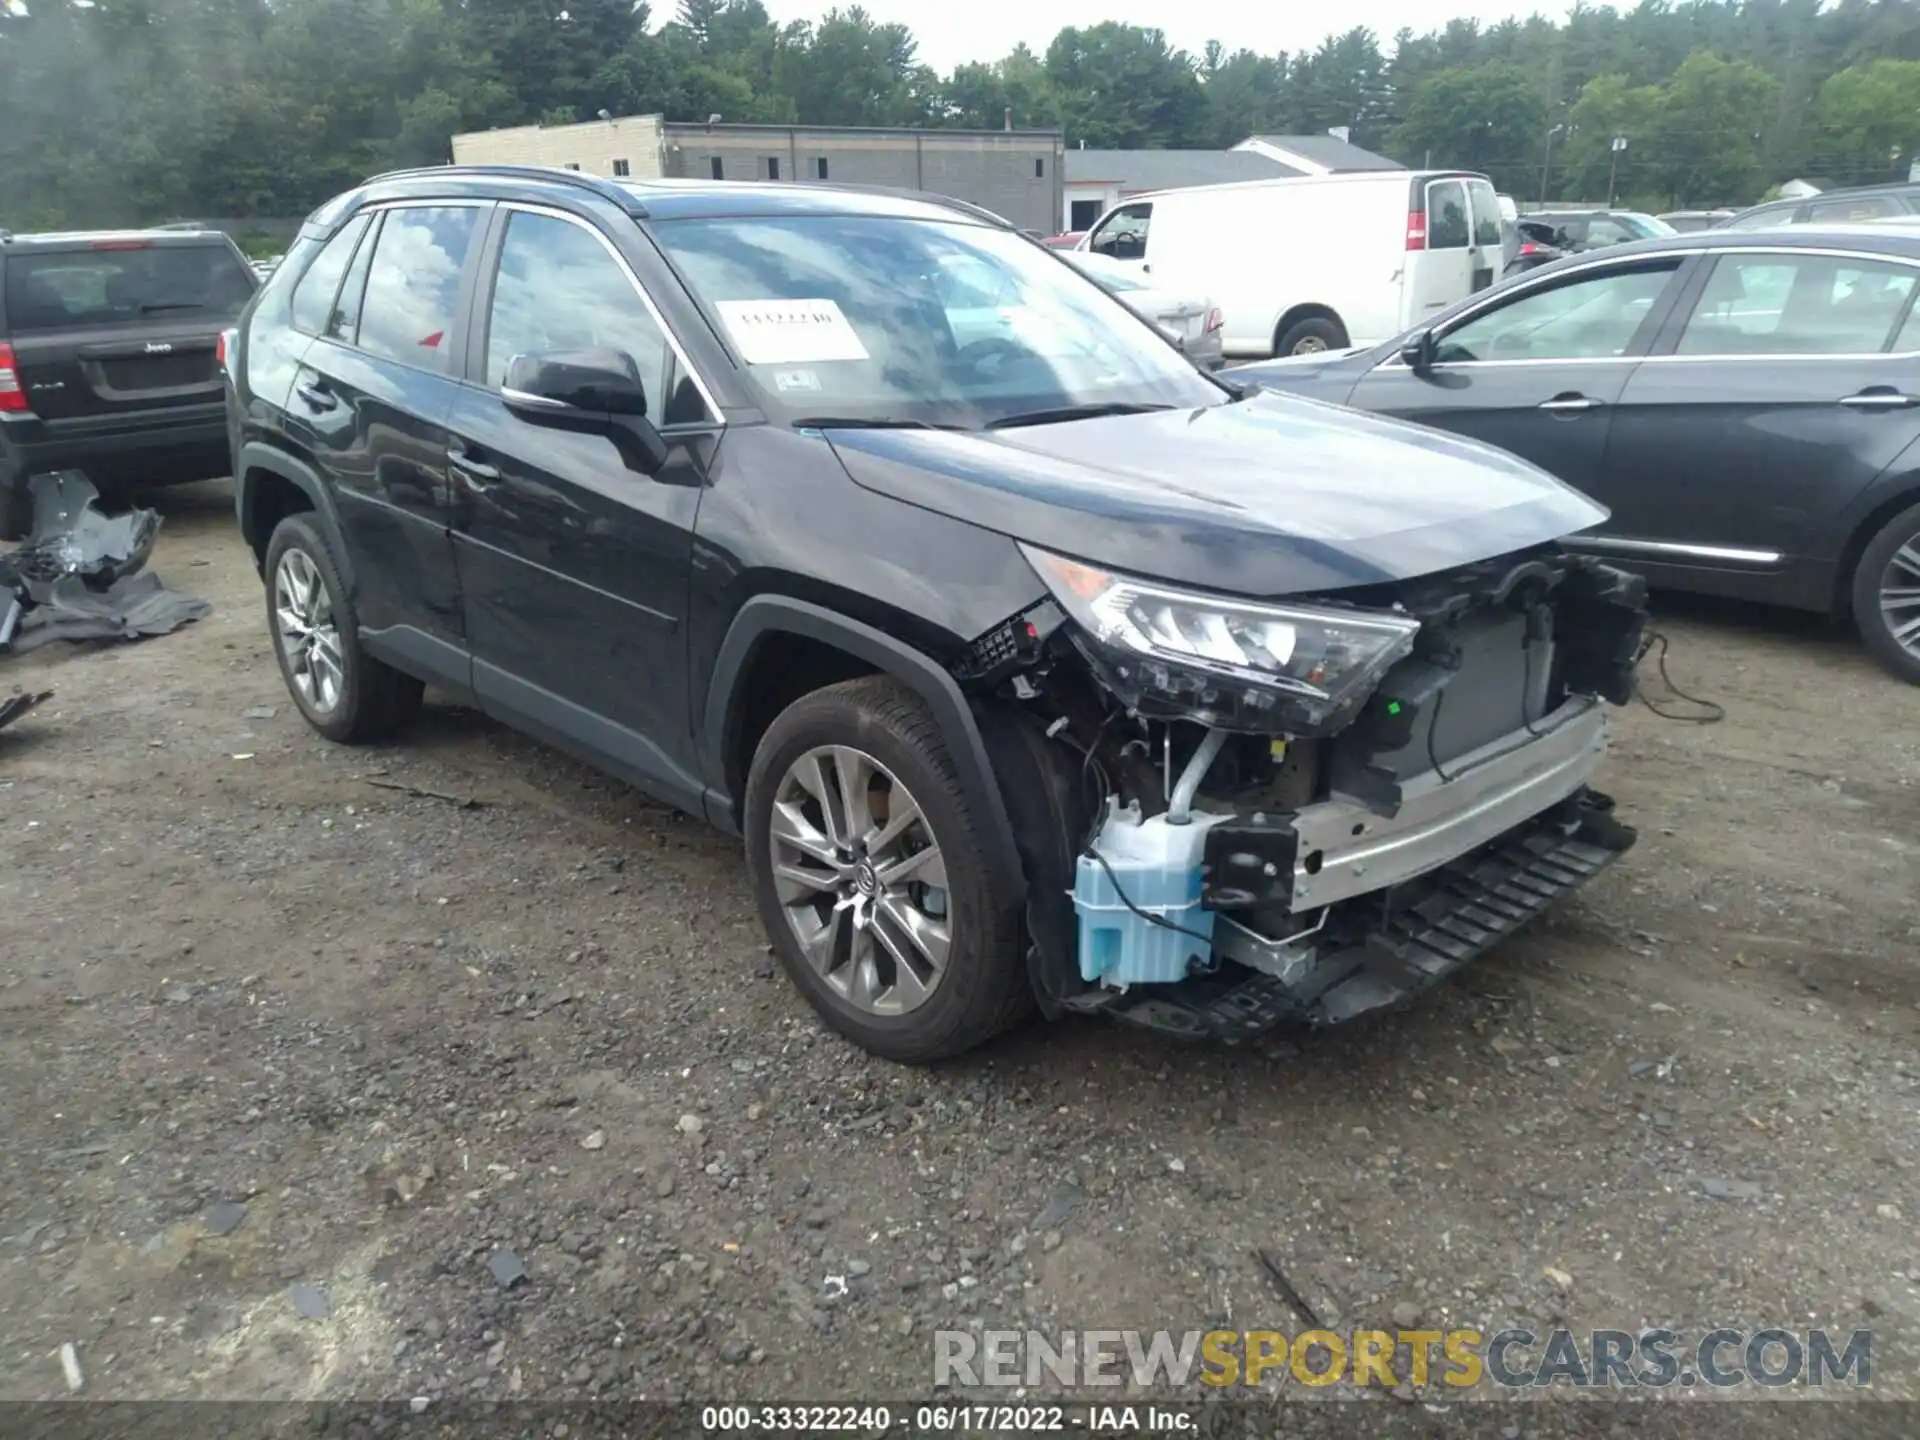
{"x":978,"y":986}
{"x":1311,"y":337}
{"x":343,"y":692}
{"x":1886,"y":595}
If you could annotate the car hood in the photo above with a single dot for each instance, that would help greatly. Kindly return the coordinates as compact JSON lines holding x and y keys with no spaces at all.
{"x":1270,"y":495}
{"x":1329,"y":375}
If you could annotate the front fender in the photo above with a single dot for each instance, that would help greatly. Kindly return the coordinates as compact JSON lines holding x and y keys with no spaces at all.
{"x":762,"y":620}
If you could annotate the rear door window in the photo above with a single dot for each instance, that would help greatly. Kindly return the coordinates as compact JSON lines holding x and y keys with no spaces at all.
{"x":123,"y":283}
{"x":413,"y":284}
{"x":1448,"y":225}
{"x":1486,"y":213}
{"x":313,"y":296}
{"x":1784,"y":304}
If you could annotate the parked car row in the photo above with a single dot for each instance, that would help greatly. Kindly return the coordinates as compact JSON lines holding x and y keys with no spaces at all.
{"x":1746,"y":405}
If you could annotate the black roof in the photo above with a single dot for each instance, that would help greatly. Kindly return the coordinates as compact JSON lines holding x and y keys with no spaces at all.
{"x":1865,"y":239}
{"x":652,"y":199}
{"x":1891,"y":187}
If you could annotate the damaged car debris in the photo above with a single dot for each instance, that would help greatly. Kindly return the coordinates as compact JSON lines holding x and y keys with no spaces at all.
{"x":13,"y":706}
{"x":81,"y":574}
{"x":1034,"y":666}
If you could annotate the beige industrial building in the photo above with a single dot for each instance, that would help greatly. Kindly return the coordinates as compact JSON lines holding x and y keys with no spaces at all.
{"x":629,"y":145}
{"x":1017,"y":174}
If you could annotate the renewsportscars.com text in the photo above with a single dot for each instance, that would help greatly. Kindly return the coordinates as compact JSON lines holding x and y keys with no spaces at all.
{"x":1510,"y":1359}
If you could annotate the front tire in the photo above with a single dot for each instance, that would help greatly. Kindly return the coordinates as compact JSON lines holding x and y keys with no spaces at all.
{"x":343,"y":692}
{"x":872,"y":879}
{"x":1886,"y":595}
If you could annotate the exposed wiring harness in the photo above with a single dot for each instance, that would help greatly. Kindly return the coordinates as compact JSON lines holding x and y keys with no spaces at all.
{"x":1091,"y":768}
{"x":1708,"y":712}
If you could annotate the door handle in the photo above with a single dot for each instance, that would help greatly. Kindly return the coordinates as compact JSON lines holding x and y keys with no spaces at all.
{"x":1880,"y":400}
{"x":316,"y":397}
{"x":476,"y":473}
{"x":1570,"y":404}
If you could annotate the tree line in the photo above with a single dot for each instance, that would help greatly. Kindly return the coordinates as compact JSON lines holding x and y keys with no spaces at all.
{"x":138,"y":111}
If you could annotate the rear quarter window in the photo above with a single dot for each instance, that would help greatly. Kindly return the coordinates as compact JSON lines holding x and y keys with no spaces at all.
{"x":83,"y":288}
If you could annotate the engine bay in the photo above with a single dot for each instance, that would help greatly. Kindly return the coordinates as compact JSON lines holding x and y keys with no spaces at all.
{"x":1197,"y":867}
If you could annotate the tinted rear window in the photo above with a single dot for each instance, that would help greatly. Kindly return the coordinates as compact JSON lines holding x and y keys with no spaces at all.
{"x":66,"y":289}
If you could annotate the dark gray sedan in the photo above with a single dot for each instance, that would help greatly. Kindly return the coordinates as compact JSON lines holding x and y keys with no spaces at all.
{"x":1746,"y":405}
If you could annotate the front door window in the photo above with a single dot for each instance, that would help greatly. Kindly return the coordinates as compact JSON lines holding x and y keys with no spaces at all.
{"x":1591,"y":318}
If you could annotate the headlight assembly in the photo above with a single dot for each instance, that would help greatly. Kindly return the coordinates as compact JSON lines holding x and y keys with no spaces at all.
{"x":1238,"y":664}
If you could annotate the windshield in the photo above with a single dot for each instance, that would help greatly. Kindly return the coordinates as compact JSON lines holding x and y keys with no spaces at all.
{"x":886,"y":319}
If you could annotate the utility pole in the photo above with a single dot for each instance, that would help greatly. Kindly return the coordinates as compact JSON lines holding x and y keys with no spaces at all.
{"x":1546,"y":162}
{"x":1613,"y":165}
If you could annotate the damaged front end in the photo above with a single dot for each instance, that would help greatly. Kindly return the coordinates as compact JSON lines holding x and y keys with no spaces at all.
{"x":1237,"y":813}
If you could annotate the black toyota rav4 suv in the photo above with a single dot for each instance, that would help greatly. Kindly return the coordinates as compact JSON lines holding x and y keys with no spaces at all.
{"x":107,"y":360}
{"x":1035,"y":666}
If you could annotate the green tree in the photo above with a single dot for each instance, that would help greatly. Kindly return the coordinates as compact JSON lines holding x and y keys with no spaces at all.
{"x":1246,"y":95}
{"x":1122,"y":86}
{"x":1483,"y":117}
{"x":1703,"y":145}
{"x":1867,"y":120}
{"x":1609,"y":107}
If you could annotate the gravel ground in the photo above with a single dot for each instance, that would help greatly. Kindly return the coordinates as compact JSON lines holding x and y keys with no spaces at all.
{"x":312,"y":1087}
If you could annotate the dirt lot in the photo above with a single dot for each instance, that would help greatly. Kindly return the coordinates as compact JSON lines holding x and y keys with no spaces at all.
{"x":403,"y":1034}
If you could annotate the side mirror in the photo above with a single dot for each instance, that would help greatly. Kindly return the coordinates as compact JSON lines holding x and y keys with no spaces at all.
{"x":1418,"y":351}
{"x":595,"y":391}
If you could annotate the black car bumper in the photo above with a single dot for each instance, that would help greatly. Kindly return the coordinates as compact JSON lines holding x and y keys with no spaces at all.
{"x":167,"y":447}
{"x":1380,"y":950}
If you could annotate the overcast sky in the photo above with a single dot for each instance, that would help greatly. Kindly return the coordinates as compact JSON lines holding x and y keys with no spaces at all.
{"x":952,"y":32}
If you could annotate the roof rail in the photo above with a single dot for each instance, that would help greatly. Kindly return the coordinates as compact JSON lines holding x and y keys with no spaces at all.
{"x":606,"y":189}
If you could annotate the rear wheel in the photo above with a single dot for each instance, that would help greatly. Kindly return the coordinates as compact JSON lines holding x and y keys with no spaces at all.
{"x":344,"y":693}
{"x":871,"y":877}
{"x":1311,"y":337}
{"x":1886,"y":595}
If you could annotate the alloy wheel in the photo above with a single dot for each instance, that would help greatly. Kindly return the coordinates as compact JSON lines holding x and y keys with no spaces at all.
{"x":1309,"y":345}
{"x":309,"y":639}
{"x":861,"y":880}
{"x":1900,"y":596}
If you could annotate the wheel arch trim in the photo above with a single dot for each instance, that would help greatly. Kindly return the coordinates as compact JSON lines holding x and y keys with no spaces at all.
{"x":762,"y":619}
{"x":1306,"y":310}
{"x":256,"y":456}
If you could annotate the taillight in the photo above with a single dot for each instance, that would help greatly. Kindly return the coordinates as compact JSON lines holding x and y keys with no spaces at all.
{"x":13,"y":395}
{"x":1214,"y":320}
{"x":119,"y":245}
{"x":1529,"y":249}
{"x":220,"y":349}
{"x":1416,"y":230}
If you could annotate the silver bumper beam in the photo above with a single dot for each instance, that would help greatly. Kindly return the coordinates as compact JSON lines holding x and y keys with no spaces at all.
{"x":1346,"y":849}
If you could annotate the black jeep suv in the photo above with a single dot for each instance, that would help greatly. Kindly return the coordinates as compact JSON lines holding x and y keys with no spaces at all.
{"x":107,"y":358}
{"x":1034,"y":665}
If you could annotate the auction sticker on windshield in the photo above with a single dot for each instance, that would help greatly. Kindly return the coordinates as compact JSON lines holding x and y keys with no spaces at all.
{"x":790,"y":332}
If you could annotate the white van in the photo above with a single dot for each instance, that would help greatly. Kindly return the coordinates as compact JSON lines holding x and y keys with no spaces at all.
{"x":1315,"y":263}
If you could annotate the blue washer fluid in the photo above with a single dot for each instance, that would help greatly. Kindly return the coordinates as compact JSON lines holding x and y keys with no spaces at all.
{"x":1157,"y":867}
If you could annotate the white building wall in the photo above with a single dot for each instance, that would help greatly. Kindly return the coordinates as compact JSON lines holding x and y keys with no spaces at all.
{"x":591,"y":147}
